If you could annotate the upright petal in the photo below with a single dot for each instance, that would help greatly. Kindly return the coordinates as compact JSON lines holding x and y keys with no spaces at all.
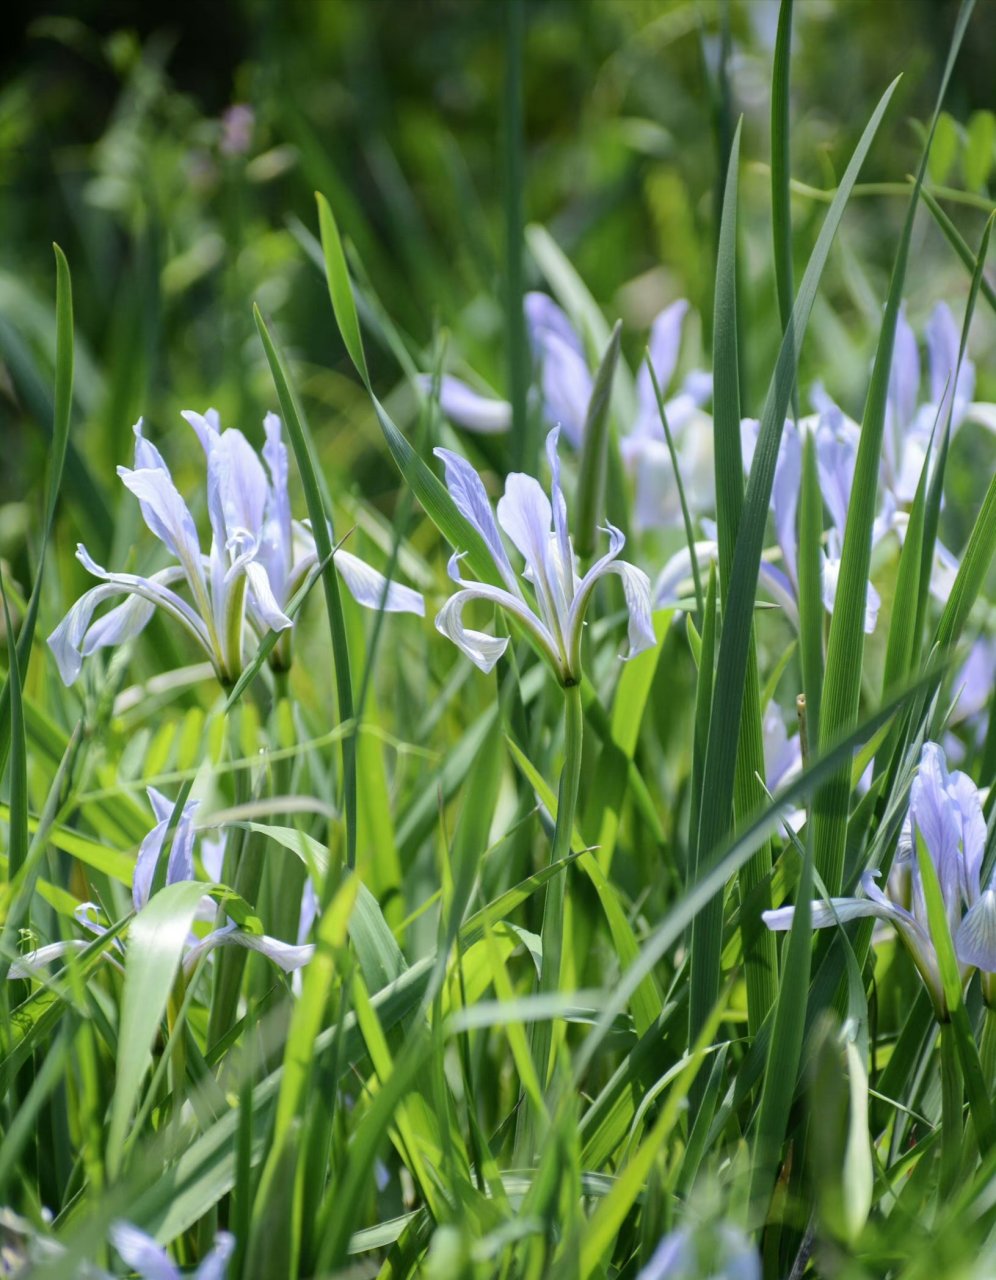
{"x":142,"y":1254}
{"x":214,"y":1265}
{"x":943,"y":344}
{"x":236,"y":470}
{"x":933,"y":815}
{"x":468,"y":493}
{"x":373,"y":590}
{"x":562,"y":541}
{"x":785,"y":497}
{"x":664,"y":345}
{"x":904,"y":382}
{"x":167,"y":515}
{"x":206,"y":426}
{"x":567,"y":387}
{"x":543,"y":317}
{"x":467,"y":408}
{"x":276,"y":552}
{"x":524,"y":512}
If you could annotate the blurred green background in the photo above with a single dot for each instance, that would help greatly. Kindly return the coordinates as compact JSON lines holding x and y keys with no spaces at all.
{"x":173,"y":151}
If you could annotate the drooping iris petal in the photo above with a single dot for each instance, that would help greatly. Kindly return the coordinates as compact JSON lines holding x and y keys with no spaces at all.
{"x":975,"y":940}
{"x":467,"y":408}
{"x":372,"y":589}
{"x":30,"y":963}
{"x":677,"y":573}
{"x":285,"y":955}
{"x":483,"y":650}
{"x":263,"y":602}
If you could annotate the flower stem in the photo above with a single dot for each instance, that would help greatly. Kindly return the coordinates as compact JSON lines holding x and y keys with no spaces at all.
{"x":552,"y":931}
{"x":951,"y":1111}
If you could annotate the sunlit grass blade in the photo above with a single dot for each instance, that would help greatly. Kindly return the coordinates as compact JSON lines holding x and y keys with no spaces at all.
{"x":156,"y":938}
{"x":322,"y":533}
{"x":845,"y":645}
{"x":525,"y":443}
{"x":17,"y":818}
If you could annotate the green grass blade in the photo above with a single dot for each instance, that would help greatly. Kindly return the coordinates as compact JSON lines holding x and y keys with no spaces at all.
{"x":810,"y":589}
{"x":957,"y":242}
{"x":759,"y":945}
{"x":17,"y":847}
{"x":781,"y":211}
{"x":321,"y":530}
{"x":61,"y":414}
{"x":156,"y":939}
{"x":525,"y":443}
{"x":594,"y":450}
{"x":845,"y":646}
{"x":785,"y":1047}
{"x":735,"y":649}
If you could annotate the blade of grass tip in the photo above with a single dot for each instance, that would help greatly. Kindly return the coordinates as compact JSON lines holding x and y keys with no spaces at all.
{"x":845,"y":646}
{"x":785,"y":1046}
{"x":525,"y":447}
{"x":781,"y":207}
{"x":61,"y":414}
{"x":810,"y":590}
{"x":685,"y":513}
{"x":933,"y":508}
{"x":17,"y":846}
{"x":429,"y":490}
{"x":759,"y":944}
{"x":957,"y":242}
{"x":721,"y":751}
{"x":321,"y":527}
{"x":594,"y":450}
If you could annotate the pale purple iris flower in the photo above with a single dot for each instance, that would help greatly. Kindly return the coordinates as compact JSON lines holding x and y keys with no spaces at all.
{"x":644,"y":448}
{"x":537,"y":527}
{"x":565,"y":385}
{"x":258,"y":557}
{"x":836,"y":442}
{"x":946,"y":811}
{"x":720,"y":1252}
{"x":150,"y":1261}
{"x":908,"y":421}
{"x":180,"y":867}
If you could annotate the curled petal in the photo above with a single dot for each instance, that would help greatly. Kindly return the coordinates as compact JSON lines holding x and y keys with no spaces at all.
{"x":75,"y":638}
{"x":824,"y":915}
{"x":370,"y":588}
{"x":467,"y":408}
{"x":975,"y":940}
{"x":285,"y":955}
{"x":636,"y":589}
{"x":483,"y":650}
{"x":28,"y":964}
{"x":467,"y":491}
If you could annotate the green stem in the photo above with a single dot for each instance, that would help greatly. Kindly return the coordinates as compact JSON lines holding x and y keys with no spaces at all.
{"x":951,"y":1111}
{"x":552,"y":931}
